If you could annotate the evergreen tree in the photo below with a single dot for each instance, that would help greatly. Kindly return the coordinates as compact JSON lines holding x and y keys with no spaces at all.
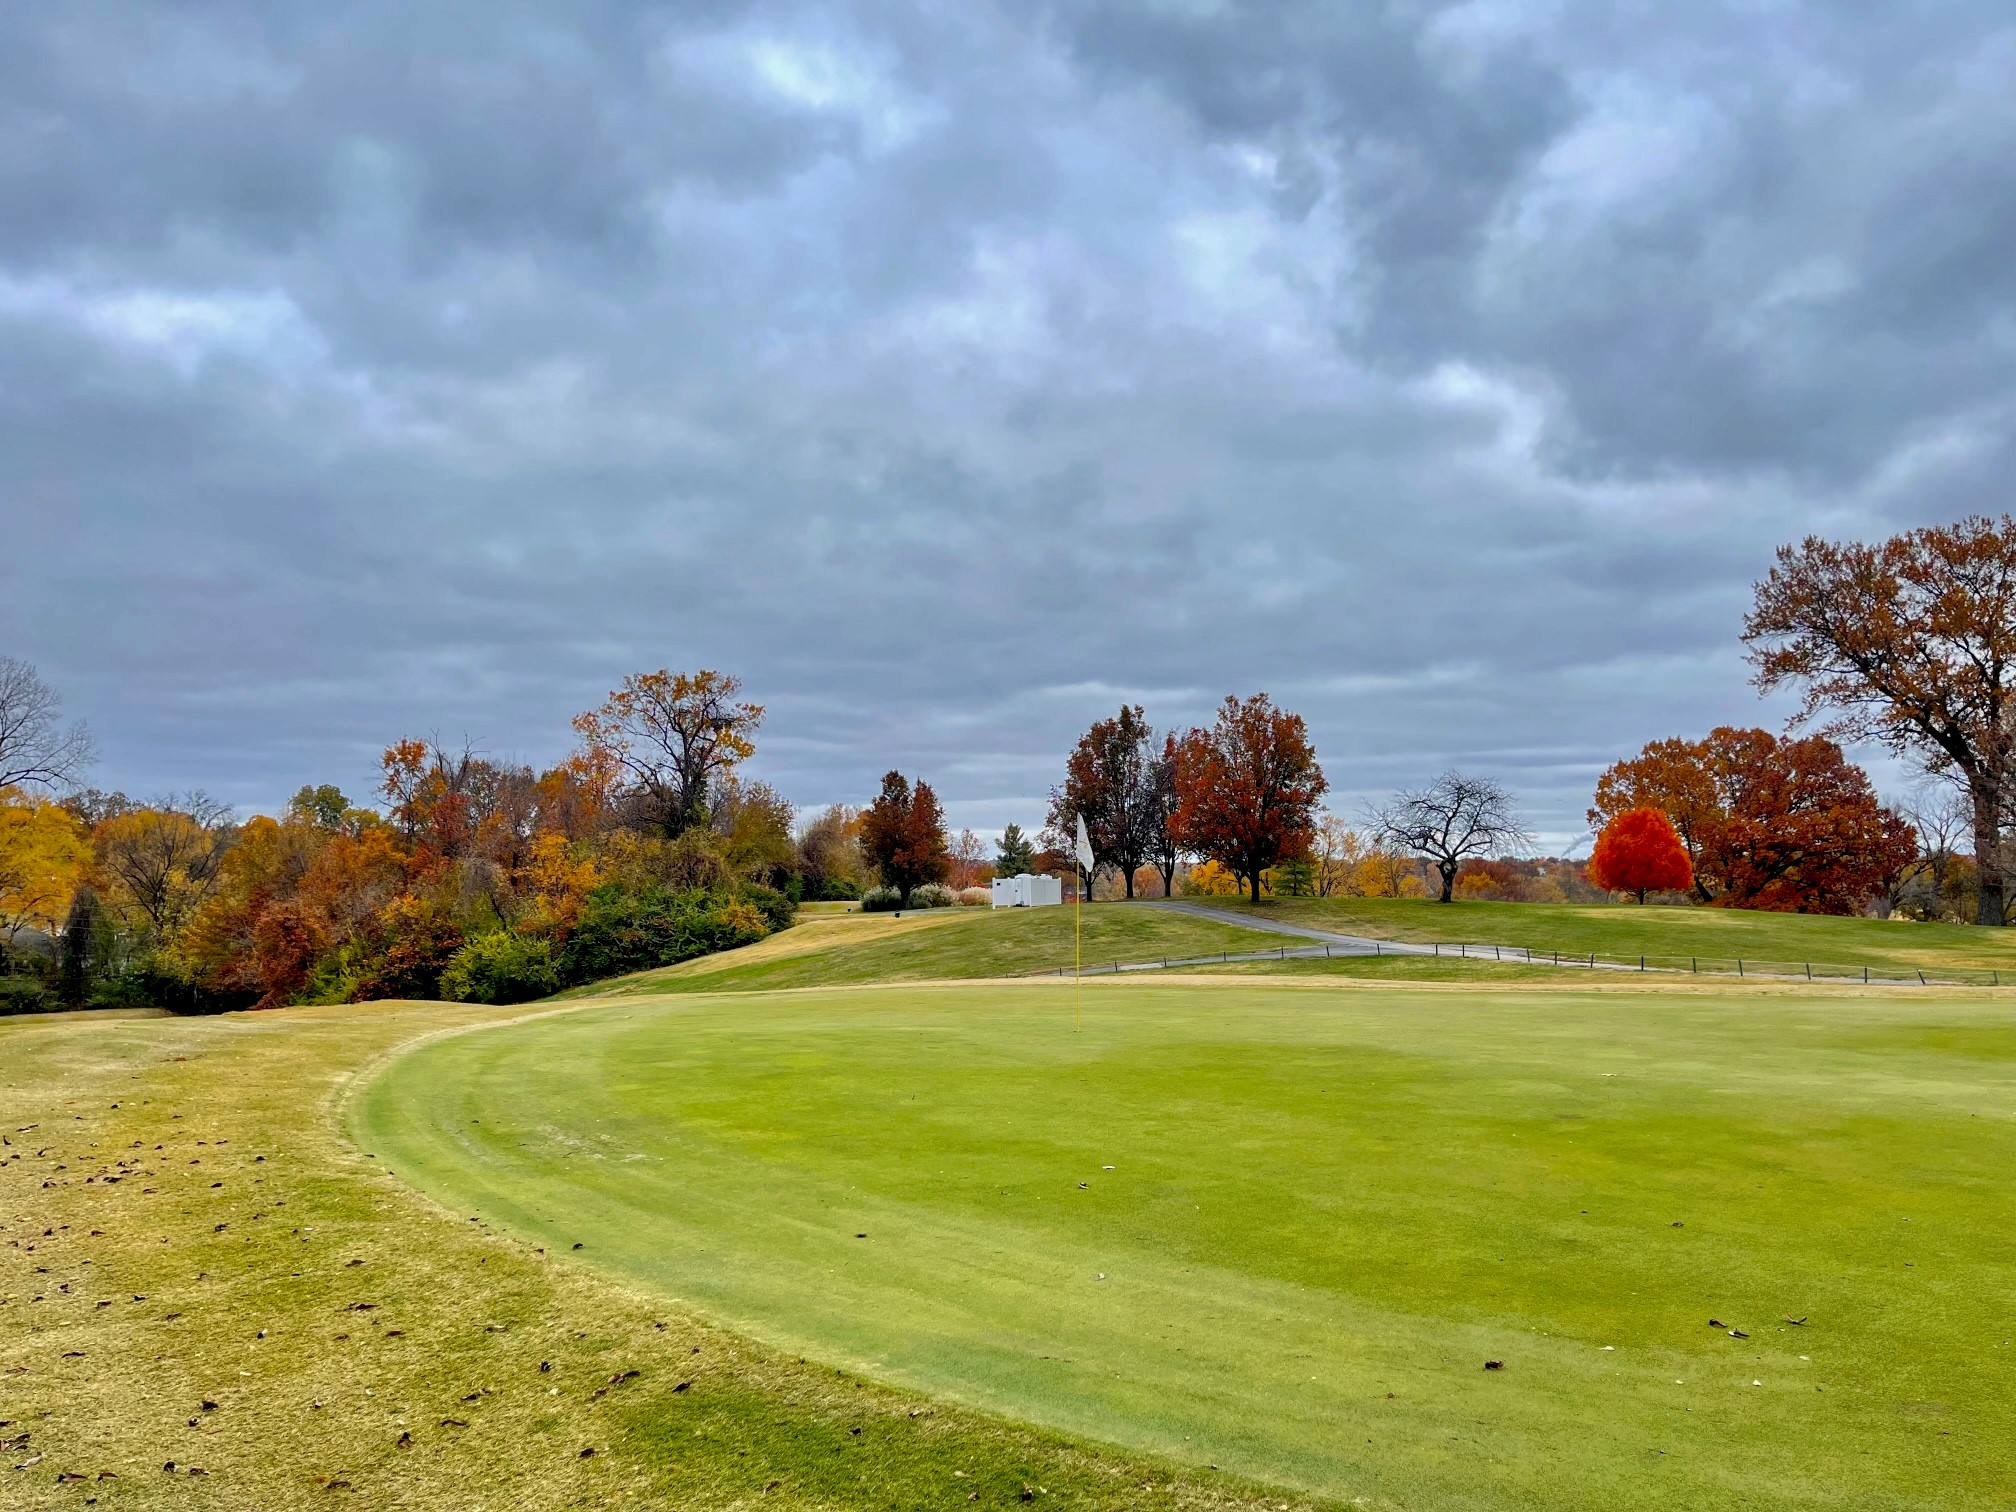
{"x":1015,"y":855}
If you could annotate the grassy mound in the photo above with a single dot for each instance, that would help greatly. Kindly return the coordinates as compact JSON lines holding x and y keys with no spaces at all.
{"x":1282,"y":1228}
{"x":1621,"y":932}
{"x":940,"y":945}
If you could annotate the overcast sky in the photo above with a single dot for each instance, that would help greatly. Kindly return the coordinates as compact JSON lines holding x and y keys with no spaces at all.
{"x":953,"y":373}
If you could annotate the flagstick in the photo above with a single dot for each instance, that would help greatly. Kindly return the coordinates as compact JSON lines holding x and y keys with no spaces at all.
{"x":1078,"y":960}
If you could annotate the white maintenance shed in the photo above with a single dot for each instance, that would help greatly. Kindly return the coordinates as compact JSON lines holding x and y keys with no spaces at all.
{"x":1027,"y":891}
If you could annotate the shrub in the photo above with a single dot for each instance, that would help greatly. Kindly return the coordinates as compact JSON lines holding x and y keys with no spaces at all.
{"x":976,"y":897}
{"x":501,"y":968}
{"x":840,"y":890}
{"x":777,"y":909}
{"x":624,"y":929}
{"x":20,"y":994}
{"x":883,"y":898}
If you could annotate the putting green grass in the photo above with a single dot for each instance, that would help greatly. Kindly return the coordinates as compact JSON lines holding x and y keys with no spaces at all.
{"x":946,"y":944}
{"x":1281,"y":1226}
{"x":1623,"y":931}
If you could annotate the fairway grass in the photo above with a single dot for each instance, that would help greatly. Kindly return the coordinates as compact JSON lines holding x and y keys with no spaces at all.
{"x":945,"y":944}
{"x":1620,"y":932}
{"x":209,"y":1300}
{"x":1328,"y":1206}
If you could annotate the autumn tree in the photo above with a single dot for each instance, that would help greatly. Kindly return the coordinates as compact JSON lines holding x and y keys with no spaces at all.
{"x":1790,"y":825}
{"x":44,"y":858}
{"x":1454,"y":817}
{"x":325,"y":807}
{"x":970,"y":867}
{"x":1911,"y":643}
{"x":1674,"y":777}
{"x":1108,"y":782}
{"x":1247,"y":788}
{"x":1337,"y":851}
{"x":1014,"y":855}
{"x":674,"y":734}
{"x":903,"y":836}
{"x":157,"y":865}
{"x":1388,"y":872}
{"x":829,"y":853}
{"x":751,"y":823}
{"x":36,"y":747}
{"x":1640,"y":852}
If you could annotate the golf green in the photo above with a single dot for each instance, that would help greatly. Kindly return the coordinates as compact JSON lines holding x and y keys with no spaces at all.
{"x":1284,"y":1228}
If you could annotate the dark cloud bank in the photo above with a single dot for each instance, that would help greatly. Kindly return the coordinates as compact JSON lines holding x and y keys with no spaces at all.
{"x":953,"y":373}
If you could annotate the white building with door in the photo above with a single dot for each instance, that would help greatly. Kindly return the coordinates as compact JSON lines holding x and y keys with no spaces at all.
{"x":1026,"y":891}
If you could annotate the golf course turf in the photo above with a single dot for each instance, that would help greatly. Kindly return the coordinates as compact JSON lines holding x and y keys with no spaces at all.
{"x":1282,"y":1226}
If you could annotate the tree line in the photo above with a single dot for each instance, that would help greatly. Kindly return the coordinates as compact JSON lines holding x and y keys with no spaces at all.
{"x":467,"y":877}
{"x":648,"y":844}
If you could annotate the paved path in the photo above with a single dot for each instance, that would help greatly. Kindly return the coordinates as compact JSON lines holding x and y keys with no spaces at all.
{"x":1343,"y":943}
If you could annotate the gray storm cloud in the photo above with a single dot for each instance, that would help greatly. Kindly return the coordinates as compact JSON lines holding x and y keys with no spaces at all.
{"x":953,"y":374}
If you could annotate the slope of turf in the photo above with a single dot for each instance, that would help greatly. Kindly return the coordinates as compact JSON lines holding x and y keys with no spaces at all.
{"x":941,"y":945}
{"x":210,"y":1302}
{"x":1282,"y":1227}
{"x":1624,"y":931}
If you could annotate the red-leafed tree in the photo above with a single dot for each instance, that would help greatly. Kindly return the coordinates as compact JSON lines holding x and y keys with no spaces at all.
{"x":1910,"y":642}
{"x":1247,"y":788}
{"x":903,"y":835}
{"x":1639,"y":852}
{"x":1790,"y":825}
{"x":1109,"y":782}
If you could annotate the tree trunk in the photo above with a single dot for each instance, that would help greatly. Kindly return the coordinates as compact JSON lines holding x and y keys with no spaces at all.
{"x":1641,"y":897}
{"x":1986,"y":790}
{"x":1130,"y":884}
{"x":1256,"y":887}
{"x":1168,"y":879}
{"x":1448,"y":881}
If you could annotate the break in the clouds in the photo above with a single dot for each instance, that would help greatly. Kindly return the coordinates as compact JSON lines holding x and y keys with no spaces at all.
{"x":953,"y":373}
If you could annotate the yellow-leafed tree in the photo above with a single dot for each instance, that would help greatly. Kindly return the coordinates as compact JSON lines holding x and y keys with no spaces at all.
{"x":44,"y":855}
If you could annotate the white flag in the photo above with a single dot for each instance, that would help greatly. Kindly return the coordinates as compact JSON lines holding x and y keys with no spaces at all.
{"x":1084,"y":847}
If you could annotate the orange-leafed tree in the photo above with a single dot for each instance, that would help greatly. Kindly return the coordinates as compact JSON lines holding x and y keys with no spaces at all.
{"x":1640,"y":852}
{"x":1911,"y":642}
{"x":1247,"y":789}
{"x":673,"y":733}
{"x":903,"y":835}
{"x":1675,"y":777}
{"x":1110,"y":781}
{"x":1790,"y":825}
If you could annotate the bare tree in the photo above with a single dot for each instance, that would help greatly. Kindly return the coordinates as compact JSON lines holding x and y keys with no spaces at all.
{"x":1943,"y":815}
{"x":1454,"y":817}
{"x":34,"y":744}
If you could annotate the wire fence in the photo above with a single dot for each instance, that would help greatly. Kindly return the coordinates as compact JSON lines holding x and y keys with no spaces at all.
{"x":1719,"y":966}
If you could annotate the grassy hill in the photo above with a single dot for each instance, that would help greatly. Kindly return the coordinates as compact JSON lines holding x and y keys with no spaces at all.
{"x":832,"y":950}
{"x":1672,"y":935}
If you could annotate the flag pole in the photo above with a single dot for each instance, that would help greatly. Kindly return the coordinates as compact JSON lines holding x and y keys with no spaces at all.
{"x":1078,"y":958}
{"x":1083,"y":850}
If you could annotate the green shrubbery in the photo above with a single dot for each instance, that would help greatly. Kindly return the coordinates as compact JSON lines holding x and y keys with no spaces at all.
{"x":621,"y":928}
{"x":501,"y":968}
